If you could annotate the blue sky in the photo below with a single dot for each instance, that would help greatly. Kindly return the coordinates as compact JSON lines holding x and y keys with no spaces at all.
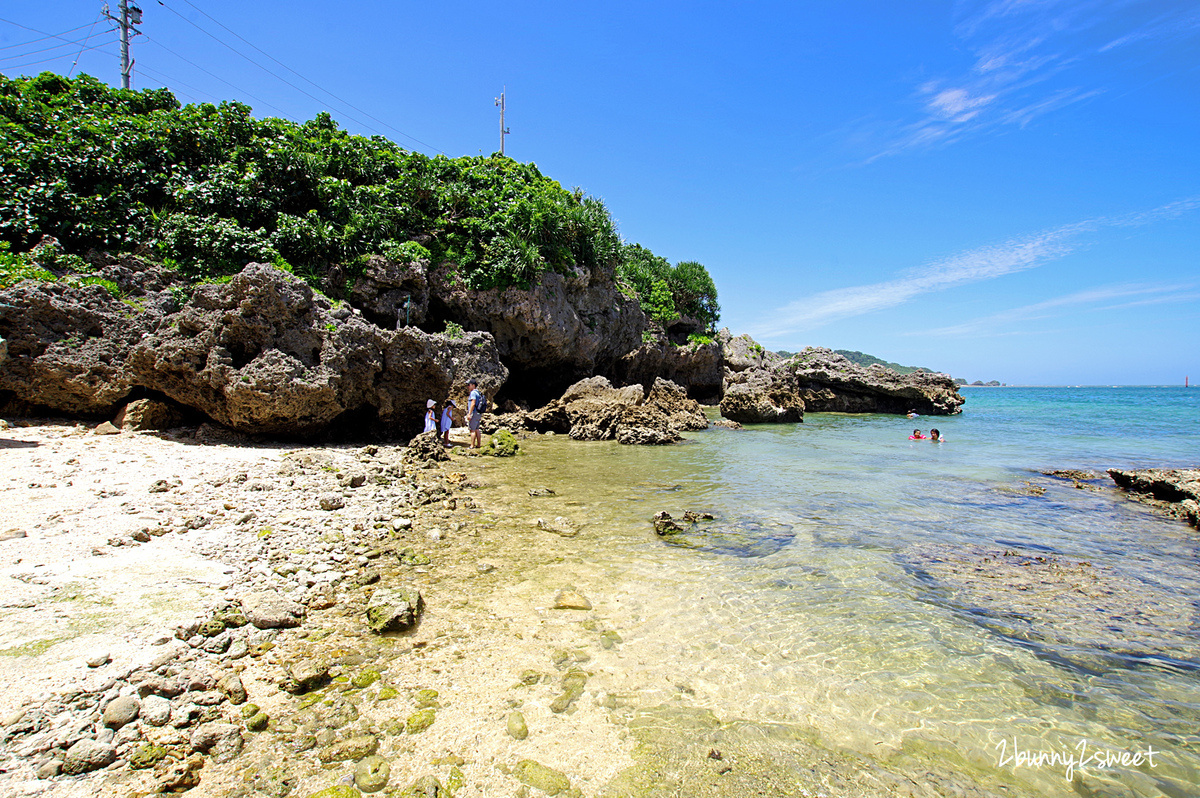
{"x":1001,"y":190}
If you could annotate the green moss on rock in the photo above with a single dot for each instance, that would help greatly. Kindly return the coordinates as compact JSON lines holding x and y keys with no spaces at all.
{"x":420,"y":721}
{"x":147,"y":756}
{"x":424,"y":699}
{"x":502,"y":444}
{"x":538,"y":776}
{"x":365,"y":678}
{"x":340,"y":791}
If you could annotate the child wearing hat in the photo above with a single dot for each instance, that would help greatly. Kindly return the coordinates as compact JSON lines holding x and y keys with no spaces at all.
{"x":430,"y":417}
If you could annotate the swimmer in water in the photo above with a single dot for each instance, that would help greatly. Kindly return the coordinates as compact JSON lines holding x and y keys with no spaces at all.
{"x":916,"y":436}
{"x":934,"y":435}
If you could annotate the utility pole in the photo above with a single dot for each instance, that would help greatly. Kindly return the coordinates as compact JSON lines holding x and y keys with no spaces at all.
{"x":130,"y":16}
{"x":503,"y":130}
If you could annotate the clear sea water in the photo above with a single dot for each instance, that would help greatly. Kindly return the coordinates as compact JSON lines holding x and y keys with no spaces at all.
{"x":919,"y":607}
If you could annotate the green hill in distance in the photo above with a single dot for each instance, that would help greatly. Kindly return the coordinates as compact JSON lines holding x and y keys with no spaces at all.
{"x":865,"y":360}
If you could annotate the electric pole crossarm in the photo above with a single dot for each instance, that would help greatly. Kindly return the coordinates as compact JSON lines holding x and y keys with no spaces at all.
{"x":129,"y":17}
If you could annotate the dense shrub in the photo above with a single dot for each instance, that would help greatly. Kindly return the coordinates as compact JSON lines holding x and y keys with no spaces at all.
{"x":666,"y":291}
{"x":208,"y":188}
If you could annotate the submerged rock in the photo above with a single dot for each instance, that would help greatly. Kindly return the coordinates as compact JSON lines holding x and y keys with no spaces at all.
{"x":420,"y":721}
{"x":354,"y":749}
{"x":309,"y":673}
{"x":371,"y":774}
{"x":394,"y":609}
{"x":1171,"y":490}
{"x":501,"y":444}
{"x":537,"y":775}
{"x":571,"y":599}
{"x":1079,"y":611}
{"x":517,"y":728}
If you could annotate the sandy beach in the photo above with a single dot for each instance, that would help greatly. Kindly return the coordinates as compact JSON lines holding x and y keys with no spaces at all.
{"x":117,"y":547}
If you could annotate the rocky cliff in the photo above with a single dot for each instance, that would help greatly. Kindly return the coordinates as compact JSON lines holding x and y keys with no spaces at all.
{"x":262,"y":354}
{"x":699,"y":368}
{"x":556,"y":331}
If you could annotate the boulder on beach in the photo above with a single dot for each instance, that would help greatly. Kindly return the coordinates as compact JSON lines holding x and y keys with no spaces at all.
{"x":267,"y":609}
{"x":88,"y":755}
{"x":222,"y":741}
{"x":394,"y":609}
{"x":149,"y":414}
{"x":593,"y":410}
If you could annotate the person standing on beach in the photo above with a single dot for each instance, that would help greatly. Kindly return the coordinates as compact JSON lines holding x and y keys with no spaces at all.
{"x":447,"y":421}
{"x":430,"y":416}
{"x":474,"y":412}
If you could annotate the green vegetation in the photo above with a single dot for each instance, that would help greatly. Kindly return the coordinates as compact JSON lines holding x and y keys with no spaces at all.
{"x":666,"y":292}
{"x":502,"y":444}
{"x":209,"y":188}
{"x":870,"y":360}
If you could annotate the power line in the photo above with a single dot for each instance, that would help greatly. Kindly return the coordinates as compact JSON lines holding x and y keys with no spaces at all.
{"x":57,"y":58}
{"x":294,"y":72}
{"x":40,"y":38}
{"x":43,"y":50}
{"x":75,"y":63}
{"x":210,"y":74}
{"x":243,"y":55}
{"x":43,"y":33}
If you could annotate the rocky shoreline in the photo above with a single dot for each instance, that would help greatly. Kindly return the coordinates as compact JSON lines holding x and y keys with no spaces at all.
{"x":270,"y":680}
{"x":1172,"y":491}
{"x":193,"y":610}
{"x":263,"y":353}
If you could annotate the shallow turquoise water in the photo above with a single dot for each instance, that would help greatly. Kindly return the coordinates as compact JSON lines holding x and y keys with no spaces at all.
{"x":885,"y":593}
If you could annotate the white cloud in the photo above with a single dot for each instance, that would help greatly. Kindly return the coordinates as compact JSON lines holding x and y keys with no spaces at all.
{"x":1146,"y":294}
{"x":958,"y":105}
{"x":1027,"y":62}
{"x":976,"y":265}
